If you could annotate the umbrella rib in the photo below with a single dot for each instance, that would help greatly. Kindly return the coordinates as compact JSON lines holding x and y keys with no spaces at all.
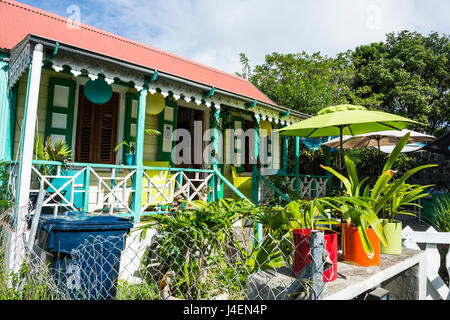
{"x":351,"y":131}
{"x":389,"y":126}
{"x":311,"y":133}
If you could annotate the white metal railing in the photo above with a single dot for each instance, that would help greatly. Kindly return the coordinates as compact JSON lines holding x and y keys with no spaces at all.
{"x":437,"y":289}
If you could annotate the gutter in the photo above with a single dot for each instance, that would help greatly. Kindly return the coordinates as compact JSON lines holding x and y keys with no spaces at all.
{"x":52,"y":44}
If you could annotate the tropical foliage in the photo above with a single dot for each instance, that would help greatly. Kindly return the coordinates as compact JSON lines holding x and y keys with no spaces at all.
{"x":407,"y":75}
{"x":191,"y":244}
{"x":4,"y":190}
{"x":130,"y":143}
{"x":59,"y":152}
{"x":442,"y":213}
{"x":406,"y":195}
{"x":366,"y":202}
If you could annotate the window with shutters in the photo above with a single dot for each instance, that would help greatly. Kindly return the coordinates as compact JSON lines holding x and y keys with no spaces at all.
{"x":59,"y":119}
{"x":96,"y":134}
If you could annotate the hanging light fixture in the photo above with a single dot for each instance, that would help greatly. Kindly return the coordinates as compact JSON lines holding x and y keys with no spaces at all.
{"x":265,"y":127}
{"x":98,"y":91}
{"x":155,"y":103}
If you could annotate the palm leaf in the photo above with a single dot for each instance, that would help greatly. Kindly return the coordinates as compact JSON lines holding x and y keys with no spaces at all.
{"x":396,"y":152}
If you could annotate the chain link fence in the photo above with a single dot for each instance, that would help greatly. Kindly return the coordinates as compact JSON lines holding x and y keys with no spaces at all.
{"x":229,"y":263}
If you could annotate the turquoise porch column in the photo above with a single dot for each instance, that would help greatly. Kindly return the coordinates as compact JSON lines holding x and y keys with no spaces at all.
{"x":217,"y":185}
{"x":140,"y":132}
{"x":5,"y":111}
{"x":284,"y":152}
{"x":255,"y":180}
{"x":255,"y":169}
{"x":297,"y":164}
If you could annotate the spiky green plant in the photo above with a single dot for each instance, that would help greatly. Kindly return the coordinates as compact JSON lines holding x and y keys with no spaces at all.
{"x":365,"y":204}
{"x":442,"y":213}
{"x":59,"y":152}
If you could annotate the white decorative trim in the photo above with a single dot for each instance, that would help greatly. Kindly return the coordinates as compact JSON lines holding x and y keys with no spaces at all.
{"x":94,"y":67}
{"x":93,"y":77}
{"x":18,"y":64}
{"x":179,"y":91}
{"x":57,"y":68}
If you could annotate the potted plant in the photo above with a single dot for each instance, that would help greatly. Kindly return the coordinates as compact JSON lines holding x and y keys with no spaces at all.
{"x":293,"y":223}
{"x":362,"y":229}
{"x":52,"y":152}
{"x":312,"y":215}
{"x":129,"y":156}
{"x":405,"y":195}
{"x":59,"y":152}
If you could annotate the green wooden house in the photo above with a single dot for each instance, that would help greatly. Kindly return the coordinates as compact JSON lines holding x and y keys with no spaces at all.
{"x":90,"y":88}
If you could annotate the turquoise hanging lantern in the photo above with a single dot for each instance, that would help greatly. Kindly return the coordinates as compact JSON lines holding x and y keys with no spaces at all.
{"x":98,"y":91}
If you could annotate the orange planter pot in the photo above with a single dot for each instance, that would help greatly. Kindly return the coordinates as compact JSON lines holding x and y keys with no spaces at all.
{"x":352,"y":249}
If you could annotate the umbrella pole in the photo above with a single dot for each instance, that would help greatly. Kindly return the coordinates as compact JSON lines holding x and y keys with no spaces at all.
{"x":340,"y":147}
{"x":379,"y":155}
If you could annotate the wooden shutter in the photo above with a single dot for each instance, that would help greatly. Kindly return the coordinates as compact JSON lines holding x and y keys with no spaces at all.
{"x":59,"y":119}
{"x":84,"y":151}
{"x":107,"y":120}
{"x":167,"y":124}
{"x":131,"y":112}
{"x":96,"y":130}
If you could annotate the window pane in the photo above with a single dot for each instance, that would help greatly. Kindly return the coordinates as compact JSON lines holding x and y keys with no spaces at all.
{"x":59,"y":120}
{"x":134,"y":108}
{"x":61,"y":96}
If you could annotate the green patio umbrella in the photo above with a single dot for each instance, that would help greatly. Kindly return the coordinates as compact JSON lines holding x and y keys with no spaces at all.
{"x":345,"y":119}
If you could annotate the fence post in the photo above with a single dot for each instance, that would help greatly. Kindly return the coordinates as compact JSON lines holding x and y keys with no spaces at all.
{"x":316,"y":246}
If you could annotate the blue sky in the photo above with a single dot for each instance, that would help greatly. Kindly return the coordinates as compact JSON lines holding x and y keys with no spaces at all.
{"x":214,"y":32}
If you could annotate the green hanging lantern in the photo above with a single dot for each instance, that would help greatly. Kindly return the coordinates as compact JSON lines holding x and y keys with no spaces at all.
{"x":98,"y":91}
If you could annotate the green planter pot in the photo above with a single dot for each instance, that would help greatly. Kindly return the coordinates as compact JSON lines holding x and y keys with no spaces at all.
{"x":393,"y":233}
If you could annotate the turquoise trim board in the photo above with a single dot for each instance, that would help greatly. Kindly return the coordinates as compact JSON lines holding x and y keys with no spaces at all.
{"x":4,"y":109}
{"x":140,"y":131}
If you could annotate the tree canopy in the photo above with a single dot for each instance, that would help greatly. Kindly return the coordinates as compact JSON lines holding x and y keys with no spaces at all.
{"x":408,"y":74}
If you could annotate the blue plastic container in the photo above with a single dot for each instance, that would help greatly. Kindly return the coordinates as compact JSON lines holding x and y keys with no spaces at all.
{"x":83,"y":252}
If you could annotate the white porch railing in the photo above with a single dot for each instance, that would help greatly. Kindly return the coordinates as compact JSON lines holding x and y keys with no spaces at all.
{"x":436,"y":287}
{"x":170,"y":184}
{"x":109,"y":188}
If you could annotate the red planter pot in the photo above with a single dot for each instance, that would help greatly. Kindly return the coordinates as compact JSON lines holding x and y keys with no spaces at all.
{"x":301,"y":239}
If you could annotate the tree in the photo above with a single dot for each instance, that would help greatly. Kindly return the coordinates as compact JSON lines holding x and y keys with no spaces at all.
{"x":308,"y":83}
{"x":410,"y":73}
{"x":246,"y":69}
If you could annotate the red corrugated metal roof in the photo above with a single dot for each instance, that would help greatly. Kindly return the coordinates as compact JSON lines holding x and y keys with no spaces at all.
{"x":17,"y":20}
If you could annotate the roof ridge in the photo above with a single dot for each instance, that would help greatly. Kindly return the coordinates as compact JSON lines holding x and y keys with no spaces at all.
{"x":118,"y":37}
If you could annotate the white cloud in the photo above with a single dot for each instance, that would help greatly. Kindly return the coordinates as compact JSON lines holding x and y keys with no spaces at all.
{"x":213,"y":32}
